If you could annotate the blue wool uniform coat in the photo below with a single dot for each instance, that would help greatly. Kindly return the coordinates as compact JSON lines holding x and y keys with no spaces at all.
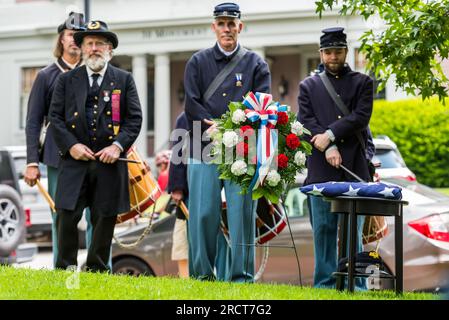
{"x":318,"y":112}
{"x":177,"y":174}
{"x":201,"y":70}
{"x":69,"y":125}
{"x":37,"y":113}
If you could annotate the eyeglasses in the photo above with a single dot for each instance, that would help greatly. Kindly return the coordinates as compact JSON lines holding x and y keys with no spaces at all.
{"x":98,"y":44}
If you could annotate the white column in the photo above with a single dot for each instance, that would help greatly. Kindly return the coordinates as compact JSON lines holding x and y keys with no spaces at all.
{"x":139,"y":67}
{"x":350,"y":58}
{"x":392,"y":93}
{"x":260,"y":51}
{"x":161,"y":101}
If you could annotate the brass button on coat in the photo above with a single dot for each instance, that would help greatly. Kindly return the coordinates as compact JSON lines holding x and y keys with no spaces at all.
{"x":73,"y":126}
{"x":108,"y":113}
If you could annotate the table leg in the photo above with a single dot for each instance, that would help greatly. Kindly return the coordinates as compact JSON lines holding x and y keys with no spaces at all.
{"x":398,"y":246}
{"x":342,"y":245}
{"x":352,"y":247}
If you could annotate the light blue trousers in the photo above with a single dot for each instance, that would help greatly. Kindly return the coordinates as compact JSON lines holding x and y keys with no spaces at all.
{"x":208,"y":249}
{"x":52,"y":174}
{"x":325,"y":234}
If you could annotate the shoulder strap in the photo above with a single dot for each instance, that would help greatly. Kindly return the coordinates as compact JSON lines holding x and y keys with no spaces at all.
{"x":221,"y":76}
{"x":339,"y":102}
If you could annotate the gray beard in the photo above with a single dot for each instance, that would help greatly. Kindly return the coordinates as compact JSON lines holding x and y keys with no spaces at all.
{"x":98,"y":63}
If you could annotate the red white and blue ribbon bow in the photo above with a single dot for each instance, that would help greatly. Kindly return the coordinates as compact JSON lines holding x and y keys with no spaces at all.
{"x":260,"y":107}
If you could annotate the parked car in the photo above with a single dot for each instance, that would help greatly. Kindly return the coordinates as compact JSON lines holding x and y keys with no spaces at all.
{"x":35,"y":203}
{"x":426,"y":243}
{"x":13,"y":219}
{"x":390,"y":161}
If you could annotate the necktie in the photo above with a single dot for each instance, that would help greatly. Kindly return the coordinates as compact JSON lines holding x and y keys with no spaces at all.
{"x":95,"y":87}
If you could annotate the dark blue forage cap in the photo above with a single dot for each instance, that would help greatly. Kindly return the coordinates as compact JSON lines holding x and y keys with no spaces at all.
{"x":227,"y":9}
{"x":75,"y":21}
{"x":333,"y":38}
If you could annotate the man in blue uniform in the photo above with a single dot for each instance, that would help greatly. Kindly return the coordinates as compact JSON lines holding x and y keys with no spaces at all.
{"x":95,"y":116}
{"x":336,"y":141}
{"x":68,"y":57}
{"x":204,"y":103}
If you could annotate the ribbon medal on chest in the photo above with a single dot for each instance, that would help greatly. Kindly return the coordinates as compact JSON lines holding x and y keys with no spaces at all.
{"x":116,"y":110}
{"x":238,"y":79}
{"x":106,"y":97}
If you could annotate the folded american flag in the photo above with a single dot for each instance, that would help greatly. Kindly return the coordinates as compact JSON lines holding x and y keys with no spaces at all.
{"x":354,"y":189}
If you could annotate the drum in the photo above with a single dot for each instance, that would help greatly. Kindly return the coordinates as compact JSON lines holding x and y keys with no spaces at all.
{"x":143,"y":187}
{"x":374,"y":229}
{"x":270,"y":220}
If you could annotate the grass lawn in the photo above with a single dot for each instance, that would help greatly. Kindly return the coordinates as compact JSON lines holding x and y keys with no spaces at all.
{"x":443,"y":190}
{"x":45,"y":284}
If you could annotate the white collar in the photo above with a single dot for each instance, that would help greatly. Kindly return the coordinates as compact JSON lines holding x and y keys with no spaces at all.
{"x":72,"y":66}
{"x":228,"y":53}
{"x":101,"y":72}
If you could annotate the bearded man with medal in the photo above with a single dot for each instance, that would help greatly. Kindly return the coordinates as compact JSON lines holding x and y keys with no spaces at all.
{"x":95,"y":117}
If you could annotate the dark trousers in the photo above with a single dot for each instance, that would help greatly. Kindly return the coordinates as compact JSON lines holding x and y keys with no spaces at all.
{"x":102,"y":229}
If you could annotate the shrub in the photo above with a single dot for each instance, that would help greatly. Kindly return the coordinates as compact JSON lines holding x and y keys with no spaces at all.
{"x":421,"y":131}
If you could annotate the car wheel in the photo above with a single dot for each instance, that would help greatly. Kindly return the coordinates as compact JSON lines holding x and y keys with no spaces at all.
{"x":12,"y":220}
{"x":131,"y":266}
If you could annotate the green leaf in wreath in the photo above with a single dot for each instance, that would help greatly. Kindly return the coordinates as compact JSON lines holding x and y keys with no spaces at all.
{"x":251,"y":171}
{"x":273,"y":197}
{"x":234,"y":106}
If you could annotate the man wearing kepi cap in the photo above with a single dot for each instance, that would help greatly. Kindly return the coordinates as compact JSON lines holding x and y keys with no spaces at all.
{"x":214,"y":77}
{"x":41,"y":146}
{"x":339,"y":135}
{"x":95,"y":116}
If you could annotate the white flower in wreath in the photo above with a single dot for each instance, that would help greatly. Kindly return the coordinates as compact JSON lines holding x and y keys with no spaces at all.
{"x":297,"y":128}
{"x":239,"y":168}
{"x":238,"y":116}
{"x":230,"y":139}
{"x":300,"y":158}
{"x":273,"y":178}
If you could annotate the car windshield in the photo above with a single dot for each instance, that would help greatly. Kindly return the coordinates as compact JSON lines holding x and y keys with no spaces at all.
{"x":418,"y":188}
{"x":388,"y":158}
{"x":21,"y":162}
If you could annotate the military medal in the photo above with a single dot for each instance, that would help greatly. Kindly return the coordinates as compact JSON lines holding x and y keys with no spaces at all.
{"x":238,"y":79}
{"x":116,"y":110}
{"x":106,"y":96}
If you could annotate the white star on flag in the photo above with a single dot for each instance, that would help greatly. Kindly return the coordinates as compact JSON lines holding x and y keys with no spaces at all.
{"x":352,"y":192}
{"x":316,"y":191}
{"x":387,"y":193}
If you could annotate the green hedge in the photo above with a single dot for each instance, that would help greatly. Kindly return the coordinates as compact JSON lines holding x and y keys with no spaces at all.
{"x":421,"y":131}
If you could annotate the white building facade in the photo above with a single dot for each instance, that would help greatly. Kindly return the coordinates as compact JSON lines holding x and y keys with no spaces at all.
{"x":156,"y":38}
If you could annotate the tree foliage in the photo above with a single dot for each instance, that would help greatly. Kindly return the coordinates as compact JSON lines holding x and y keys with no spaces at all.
{"x":411,"y":45}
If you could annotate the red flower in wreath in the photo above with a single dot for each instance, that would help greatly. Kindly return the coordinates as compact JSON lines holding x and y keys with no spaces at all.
{"x":246,"y":131}
{"x":282,"y":118}
{"x":253,"y":160}
{"x":242,"y":149}
{"x":282,"y":161}
{"x":293,"y":141}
